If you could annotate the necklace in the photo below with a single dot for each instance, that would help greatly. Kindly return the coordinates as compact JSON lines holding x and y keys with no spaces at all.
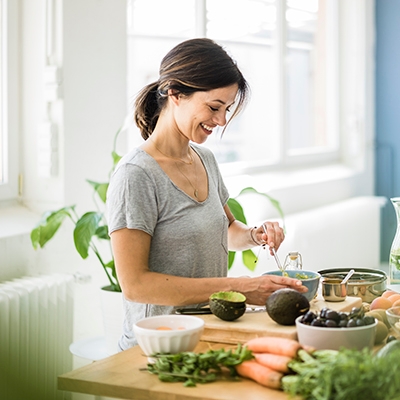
{"x":195,"y":191}
{"x":175,"y":158}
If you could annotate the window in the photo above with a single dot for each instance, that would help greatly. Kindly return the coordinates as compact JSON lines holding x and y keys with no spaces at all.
{"x":8,"y":99}
{"x":287,"y":51}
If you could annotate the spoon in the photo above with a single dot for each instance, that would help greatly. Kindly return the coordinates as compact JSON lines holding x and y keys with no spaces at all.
{"x":347,"y":277}
{"x":274,"y":252}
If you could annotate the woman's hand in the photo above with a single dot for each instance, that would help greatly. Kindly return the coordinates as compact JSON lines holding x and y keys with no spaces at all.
{"x":257,"y":290}
{"x":269,"y":233}
{"x":241,"y":237}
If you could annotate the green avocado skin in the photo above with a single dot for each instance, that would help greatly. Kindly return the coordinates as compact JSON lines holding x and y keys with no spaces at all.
{"x":285,"y":305}
{"x":225,"y":306}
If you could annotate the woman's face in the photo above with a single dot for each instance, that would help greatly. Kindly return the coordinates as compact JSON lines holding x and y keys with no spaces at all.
{"x":197,"y":115}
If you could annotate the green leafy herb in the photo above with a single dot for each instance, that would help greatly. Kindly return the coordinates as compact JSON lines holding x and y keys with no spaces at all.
{"x":192,"y":368}
{"x":344,"y":375}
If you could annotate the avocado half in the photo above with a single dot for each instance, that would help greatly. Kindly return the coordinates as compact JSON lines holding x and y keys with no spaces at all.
{"x":227,"y":306}
{"x":285,"y":305}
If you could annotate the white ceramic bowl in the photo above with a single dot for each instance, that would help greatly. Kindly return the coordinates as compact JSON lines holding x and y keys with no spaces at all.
{"x":182,"y":334}
{"x":333,"y":338}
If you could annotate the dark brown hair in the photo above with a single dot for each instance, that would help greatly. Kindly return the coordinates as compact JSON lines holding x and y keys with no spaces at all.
{"x":191,"y":66}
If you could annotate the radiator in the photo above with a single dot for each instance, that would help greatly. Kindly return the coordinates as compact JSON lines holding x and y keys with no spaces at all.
{"x":36,"y":329}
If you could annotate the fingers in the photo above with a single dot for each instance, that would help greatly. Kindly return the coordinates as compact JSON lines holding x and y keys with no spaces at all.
{"x":285,"y":282}
{"x":267,"y":284}
{"x":273,"y":235}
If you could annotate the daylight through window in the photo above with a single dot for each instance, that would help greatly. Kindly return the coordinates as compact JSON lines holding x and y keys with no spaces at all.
{"x":287,"y":50}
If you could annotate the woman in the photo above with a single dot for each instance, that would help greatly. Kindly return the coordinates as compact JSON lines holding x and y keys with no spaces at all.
{"x":169,"y":221}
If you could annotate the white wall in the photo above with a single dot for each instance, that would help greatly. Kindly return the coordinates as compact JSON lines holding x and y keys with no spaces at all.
{"x":90,"y":49}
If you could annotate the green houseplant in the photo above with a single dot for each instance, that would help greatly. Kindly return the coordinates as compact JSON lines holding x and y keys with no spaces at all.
{"x":92,"y":226}
{"x":88,"y":228}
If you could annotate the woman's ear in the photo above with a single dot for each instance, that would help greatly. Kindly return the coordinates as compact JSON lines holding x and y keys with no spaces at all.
{"x":174,"y":95}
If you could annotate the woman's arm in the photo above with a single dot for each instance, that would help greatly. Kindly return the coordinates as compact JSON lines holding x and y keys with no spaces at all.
{"x":241,"y":237}
{"x":131,"y":252}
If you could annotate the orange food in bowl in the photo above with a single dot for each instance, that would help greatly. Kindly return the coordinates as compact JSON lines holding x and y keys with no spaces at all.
{"x":380,"y":302}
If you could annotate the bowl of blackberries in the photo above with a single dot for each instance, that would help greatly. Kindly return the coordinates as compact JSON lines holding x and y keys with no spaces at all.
{"x":331,"y":329}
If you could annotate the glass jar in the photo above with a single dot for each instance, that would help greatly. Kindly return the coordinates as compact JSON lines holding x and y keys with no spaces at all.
{"x":394,"y":259}
{"x":293,"y":261}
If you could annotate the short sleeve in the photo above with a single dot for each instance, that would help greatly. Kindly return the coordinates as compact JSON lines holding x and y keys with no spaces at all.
{"x":131,"y":200}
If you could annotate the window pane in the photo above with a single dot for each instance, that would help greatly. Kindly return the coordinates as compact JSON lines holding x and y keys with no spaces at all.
{"x":247,"y":30}
{"x":144,"y":58}
{"x":163,"y":18}
{"x":306,"y":75}
{"x":241,"y":20}
{"x":253,"y":136}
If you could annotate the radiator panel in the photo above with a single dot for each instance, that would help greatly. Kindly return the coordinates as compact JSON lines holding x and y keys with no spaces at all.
{"x":36,"y":322}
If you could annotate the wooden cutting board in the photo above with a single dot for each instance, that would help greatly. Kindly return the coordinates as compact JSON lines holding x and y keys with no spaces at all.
{"x":252,"y":325}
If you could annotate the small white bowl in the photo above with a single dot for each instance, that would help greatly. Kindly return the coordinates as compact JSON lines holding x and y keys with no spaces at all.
{"x":182,"y":334}
{"x":322,"y":338}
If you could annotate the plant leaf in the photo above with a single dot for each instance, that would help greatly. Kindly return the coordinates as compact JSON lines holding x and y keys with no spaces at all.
{"x":231,"y":258}
{"x":102,"y":232}
{"x":48,"y":226}
{"x":111,"y":266}
{"x":237,"y":210}
{"x":100,"y":188}
{"x":84,"y":230}
{"x":249,"y":259}
{"x":273,"y":201}
{"x":116,"y":157}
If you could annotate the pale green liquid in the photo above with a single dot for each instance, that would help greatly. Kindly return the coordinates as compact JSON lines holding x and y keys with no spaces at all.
{"x":394,"y":267}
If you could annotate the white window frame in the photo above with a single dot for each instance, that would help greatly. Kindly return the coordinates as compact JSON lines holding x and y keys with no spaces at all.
{"x":10,"y":111}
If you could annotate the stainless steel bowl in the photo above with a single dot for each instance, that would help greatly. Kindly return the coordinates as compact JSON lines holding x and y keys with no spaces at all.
{"x":365,"y":283}
{"x":333,"y":289}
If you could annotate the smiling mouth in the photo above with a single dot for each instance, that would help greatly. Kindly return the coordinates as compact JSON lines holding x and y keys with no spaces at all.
{"x":207,"y":127}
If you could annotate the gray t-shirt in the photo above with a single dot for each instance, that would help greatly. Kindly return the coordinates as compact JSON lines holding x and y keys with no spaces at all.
{"x":189,"y":238}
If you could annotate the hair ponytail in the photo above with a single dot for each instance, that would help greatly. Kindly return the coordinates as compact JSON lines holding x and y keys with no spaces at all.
{"x":147,"y":109}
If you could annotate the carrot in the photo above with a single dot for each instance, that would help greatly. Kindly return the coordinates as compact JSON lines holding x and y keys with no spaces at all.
{"x":274,"y":345}
{"x":273,"y":361}
{"x":264,"y":376}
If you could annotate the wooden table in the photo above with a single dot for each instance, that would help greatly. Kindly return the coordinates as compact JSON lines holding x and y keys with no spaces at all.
{"x":119,"y":376}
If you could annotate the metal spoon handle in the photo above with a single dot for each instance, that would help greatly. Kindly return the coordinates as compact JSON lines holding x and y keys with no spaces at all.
{"x":273,"y":251}
{"x":347,"y":277}
{"x":277,"y":259}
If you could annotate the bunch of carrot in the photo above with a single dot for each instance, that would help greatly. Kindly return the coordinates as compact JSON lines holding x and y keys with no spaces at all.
{"x":271,"y":358}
